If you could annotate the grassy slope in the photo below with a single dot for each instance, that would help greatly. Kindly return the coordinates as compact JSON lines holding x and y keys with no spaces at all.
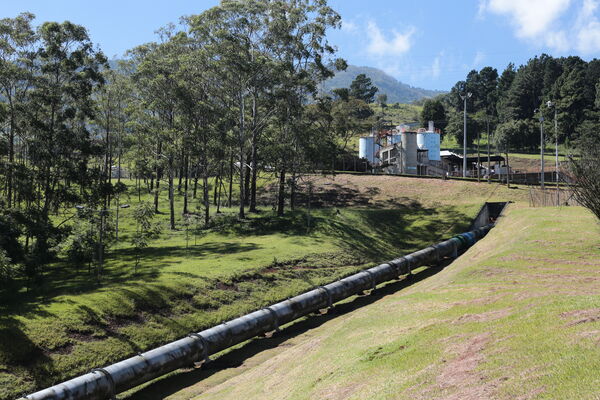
{"x":74,"y":325}
{"x":518,"y":316}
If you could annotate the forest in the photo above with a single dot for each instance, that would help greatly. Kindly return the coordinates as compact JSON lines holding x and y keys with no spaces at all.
{"x":214,"y":101}
{"x":508,"y":106}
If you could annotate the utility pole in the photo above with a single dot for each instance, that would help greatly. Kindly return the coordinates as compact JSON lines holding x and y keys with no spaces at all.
{"x":551,"y":104}
{"x":487,"y":119}
{"x":465,"y":97}
{"x":541,"y":146}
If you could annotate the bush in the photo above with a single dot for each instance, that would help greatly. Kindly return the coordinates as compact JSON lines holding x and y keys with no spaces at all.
{"x":584,"y":174}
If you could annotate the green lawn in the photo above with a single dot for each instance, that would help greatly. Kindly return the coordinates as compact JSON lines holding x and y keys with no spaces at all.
{"x":71,"y":324}
{"x":517,"y":316}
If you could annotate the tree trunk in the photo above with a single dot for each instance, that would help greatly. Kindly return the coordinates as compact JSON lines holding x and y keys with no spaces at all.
{"x":241,"y":146}
{"x":185,"y":187}
{"x":195,"y":186}
{"x":247,"y":174}
{"x":229,"y":193}
{"x":254,"y":173}
{"x":158,"y":176}
{"x":293,"y":192}
{"x":206,"y":199}
{"x":171,"y":196}
{"x":220,"y":188}
{"x":11,"y":159}
{"x":507,"y":170}
{"x":281,"y":193}
{"x":215,"y":189}
{"x":156,"y":190}
{"x":181,"y":169}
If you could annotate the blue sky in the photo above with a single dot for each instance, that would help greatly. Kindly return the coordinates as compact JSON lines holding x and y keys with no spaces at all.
{"x":426,"y":43}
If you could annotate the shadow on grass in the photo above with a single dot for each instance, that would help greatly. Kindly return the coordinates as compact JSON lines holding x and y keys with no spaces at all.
{"x":64,"y":279}
{"x":165,"y":387}
{"x":211,"y":249}
{"x":16,"y":348}
{"x":382,"y":233}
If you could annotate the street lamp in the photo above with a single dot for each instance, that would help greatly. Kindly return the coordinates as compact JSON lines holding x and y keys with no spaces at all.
{"x":465,"y":97}
{"x":541,"y":146}
{"x":551,"y":104}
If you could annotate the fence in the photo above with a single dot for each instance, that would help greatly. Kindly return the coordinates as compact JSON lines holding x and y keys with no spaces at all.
{"x":550,"y":198}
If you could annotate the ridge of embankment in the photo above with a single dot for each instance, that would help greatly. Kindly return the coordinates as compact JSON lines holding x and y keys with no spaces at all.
{"x":518,"y":316}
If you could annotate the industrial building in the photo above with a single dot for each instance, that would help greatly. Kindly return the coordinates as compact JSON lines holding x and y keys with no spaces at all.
{"x":453,"y":163}
{"x":402,"y":151}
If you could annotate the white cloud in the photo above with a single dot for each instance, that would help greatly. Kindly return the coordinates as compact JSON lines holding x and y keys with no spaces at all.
{"x":379,"y":45}
{"x":436,"y":68}
{"x":588,"y":9}
{"x":537,"y":20}
{"x":557,"y":40}
{"x":349,"y":26}
{"x":531,"y":18}
{"x":588,"y":34}
{"x":479,"y":58}
{"x":588,"y":38}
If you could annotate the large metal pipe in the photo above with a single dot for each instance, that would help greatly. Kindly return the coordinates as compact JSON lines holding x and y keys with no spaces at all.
{"x":105,"y":383}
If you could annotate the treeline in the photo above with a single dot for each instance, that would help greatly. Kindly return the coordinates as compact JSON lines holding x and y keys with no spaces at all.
{"x":509,"y":105}
{"x":226,"y":94}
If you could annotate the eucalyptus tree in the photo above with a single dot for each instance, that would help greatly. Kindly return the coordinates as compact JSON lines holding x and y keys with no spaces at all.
{"x":234,"y":35}
{"x":297,"y":40}
{"x":112,"y":116}
{"x":200,"y":115}
{"x":17,"y":52}
{"x":156,"y":78}
{"x":68,"y":69}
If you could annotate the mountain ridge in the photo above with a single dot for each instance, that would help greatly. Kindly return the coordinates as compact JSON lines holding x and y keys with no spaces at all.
{"x":396,"y":91}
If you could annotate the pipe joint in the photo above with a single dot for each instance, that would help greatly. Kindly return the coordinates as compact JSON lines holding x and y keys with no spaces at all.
{"x":205,"y":356}
{"x":328,"y":294}
{"x":111,"y":381}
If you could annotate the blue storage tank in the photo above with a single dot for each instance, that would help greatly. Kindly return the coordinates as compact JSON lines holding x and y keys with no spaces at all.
{"x":367,"y":149}
{"x":430,"y":141}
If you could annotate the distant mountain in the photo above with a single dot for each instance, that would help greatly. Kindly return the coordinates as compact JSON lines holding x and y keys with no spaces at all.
{"x":397,"y":92}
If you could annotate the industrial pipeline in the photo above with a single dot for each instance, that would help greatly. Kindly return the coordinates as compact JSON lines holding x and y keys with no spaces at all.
{"x":105,"y":383}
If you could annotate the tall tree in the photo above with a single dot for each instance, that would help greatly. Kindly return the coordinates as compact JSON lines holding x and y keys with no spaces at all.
{"x":17,"y":52}
{"x":68,"y":70}
{"x":362,"y":88}
{"x":433,"y":110}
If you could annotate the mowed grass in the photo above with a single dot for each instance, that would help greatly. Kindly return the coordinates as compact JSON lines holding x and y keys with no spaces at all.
{"x":517,"y":316}
{"x":190,"y":279}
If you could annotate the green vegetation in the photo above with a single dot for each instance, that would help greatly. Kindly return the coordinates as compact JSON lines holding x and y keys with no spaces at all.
{"x":399,"y":113}
{"x":206,"y":135}
{"x":511,"y":103}
{"x":516,"y":316}
{"x":397,"y":92}
{"x":194,"y":277}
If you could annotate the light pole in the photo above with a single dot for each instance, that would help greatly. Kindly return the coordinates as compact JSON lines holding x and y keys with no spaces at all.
{"x":541,"y":146}
{"x":465,"y":97}
{"x":551,"y":104}
{"x":487,"y":120}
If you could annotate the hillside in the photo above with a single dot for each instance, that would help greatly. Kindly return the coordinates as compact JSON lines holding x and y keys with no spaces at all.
{"x":191,"y":279}
{"x":396,"y":91}
{"x":516,"y":317}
